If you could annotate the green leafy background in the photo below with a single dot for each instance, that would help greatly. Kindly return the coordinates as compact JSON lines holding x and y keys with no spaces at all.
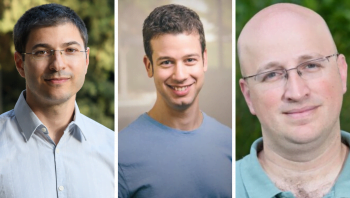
{"x":337,"y":16}
{"x":96,"y":98}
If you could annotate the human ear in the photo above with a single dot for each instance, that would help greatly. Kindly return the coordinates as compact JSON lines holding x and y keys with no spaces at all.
{"x":87,"y":59}
{"x":205,"y":60}
{"x":343,"y":70}
{"x":246,"y":93}
{"x":19,"y":64}
{"x":148,"y":65}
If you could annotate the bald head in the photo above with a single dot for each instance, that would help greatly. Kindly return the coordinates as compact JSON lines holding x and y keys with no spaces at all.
{"x":282,"y":32}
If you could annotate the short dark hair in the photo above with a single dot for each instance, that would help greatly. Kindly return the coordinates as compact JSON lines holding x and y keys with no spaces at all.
{"x":171,"y":19}
{"x":45,"y":16}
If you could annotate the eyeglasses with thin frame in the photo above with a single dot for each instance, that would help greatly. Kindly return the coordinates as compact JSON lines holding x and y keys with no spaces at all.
{"x":278,"y":77}
{"x":69,"y":53}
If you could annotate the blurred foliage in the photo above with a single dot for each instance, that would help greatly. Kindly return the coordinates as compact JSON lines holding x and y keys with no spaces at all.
{"x":96,"y":98}
{"x":337,"y":16}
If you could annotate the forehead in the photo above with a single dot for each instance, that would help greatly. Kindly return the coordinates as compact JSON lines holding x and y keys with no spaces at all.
{"x":54,"y":36}
{"x":283,"y":40}
{"x":175,"y":44}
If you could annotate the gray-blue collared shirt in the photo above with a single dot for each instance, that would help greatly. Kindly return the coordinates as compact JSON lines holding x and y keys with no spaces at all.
{"x":81,"y":165}
{"x":253,"y":182}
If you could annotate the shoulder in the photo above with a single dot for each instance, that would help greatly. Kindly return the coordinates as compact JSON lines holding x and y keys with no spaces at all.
{"x":5,"y":118}
{"x":96,"y":132}
{"x":93,"y":124}
{"x":215,"y":125}
{"x":7,"y":115}
{"x":216,"y":130}
{"x":240,"y":190}
{"x":139,"y":132}
{"x":345,"y":137}
{"x":138,"y":127}
{"x":142,"y":121}
{"x":250,"y":176}
{"x":10,"y":130}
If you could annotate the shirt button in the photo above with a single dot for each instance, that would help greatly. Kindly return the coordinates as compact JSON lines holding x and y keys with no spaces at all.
{"x":43,"y":130}
{"x":61,"y":188}
{"x":57,"y":151}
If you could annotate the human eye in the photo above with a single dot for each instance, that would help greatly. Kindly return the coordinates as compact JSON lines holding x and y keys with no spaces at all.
{"x":191,"y":61}
{"x":71,"y":51}
{"x":270,"y":76}
{"x":311,"y":66}
{"x":166,"y":63}
{"x":41,"y":53}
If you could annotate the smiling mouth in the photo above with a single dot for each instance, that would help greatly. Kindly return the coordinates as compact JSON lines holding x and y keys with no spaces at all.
{"x":302,"y":112}
{"x":179,"y":88}
{"x":57,"y":80}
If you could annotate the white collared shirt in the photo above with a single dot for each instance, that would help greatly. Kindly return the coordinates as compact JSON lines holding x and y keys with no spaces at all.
{"x":32,"y":166}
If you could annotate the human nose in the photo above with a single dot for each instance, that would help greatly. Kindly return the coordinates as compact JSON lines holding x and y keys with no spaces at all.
{"x":57,"y":62}
{"x":296,"y":88}
{"x":180,"y":73}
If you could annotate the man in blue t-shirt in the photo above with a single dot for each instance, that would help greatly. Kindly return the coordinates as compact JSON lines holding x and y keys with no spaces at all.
{"x":175,"y":149}
{"x":293,"y":81}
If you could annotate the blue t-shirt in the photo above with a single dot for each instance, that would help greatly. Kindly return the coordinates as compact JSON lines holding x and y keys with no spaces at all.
{"x":253,"y":182}
{"x":158,"y":161}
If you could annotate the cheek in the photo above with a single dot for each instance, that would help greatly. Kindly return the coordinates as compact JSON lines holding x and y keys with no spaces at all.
{"x":161,"y":76}
{"x":32,"y":73}
{"x":80,"y":75}
{"x":267,"y":101}
{"x":331,"y":91}
{"x":196,"y":73}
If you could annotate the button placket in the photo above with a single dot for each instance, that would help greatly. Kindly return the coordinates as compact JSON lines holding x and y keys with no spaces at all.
{"x":60,"y":172}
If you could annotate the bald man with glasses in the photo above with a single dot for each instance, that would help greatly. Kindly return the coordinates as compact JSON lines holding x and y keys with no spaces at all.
{"x":47,"y":147}
{"x":293,"y":80}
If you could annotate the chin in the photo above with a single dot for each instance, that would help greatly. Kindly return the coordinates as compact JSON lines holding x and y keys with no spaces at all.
{"x":181,"y":105}
{"x":58,"y":99}
{"x":304,"y":136}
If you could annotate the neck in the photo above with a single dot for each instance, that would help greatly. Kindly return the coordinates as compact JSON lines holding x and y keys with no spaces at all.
{"x":185,"y":119}
{"x":55,"y":117}
{"x":309,"y":178}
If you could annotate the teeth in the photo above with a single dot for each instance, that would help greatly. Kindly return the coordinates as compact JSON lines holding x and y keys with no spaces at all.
{"x":180,"y":88}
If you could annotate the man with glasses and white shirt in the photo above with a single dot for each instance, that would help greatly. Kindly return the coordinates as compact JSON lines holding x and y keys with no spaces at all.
{"x":47,"y":148}
{"x":293,"y":81}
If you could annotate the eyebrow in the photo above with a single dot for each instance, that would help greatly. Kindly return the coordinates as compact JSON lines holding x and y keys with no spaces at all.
{"x":275,"y":64}
{"x":307,"y":57}
{"x":168,"y":57}
{"x":269,"y":65}
{"x":40,"y":45}
{"x":71,"y":43}
{"x":45,"y":45}
{"x":191,"y":55}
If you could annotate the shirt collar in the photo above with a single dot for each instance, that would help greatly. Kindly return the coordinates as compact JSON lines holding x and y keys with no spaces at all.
{"x":258,"y":184}
{"x":254,"y":177}
{"x":341,"y":187}
{"x":26,"y":118}
{"x":79,"y":122}
{"x":29,"y":122}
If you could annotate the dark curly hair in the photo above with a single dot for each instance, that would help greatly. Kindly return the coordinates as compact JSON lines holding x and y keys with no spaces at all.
{"x":171,"y":19}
